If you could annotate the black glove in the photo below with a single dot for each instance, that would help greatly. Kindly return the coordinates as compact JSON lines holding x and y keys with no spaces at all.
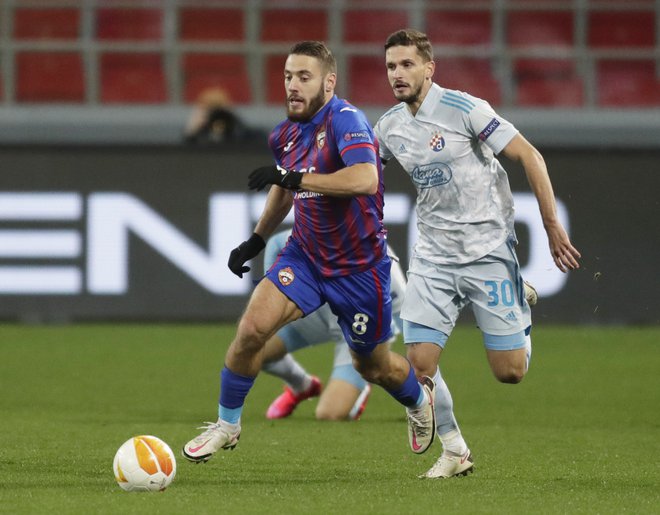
{"x":274,"y":174}
{"x":244,"y":252}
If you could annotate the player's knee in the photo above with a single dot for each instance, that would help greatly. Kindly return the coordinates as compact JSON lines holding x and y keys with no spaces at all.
{"x":251,"y":334}
{"x":329,"y":414}
{"x":512,"y":374}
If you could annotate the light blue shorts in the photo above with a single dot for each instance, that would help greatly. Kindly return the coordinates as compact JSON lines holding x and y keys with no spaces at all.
{"x":492,"y":285}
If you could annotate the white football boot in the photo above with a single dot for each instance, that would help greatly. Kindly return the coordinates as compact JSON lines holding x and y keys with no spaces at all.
{"x":421,"y":421}
{"x":216,"y":436}
{"x":530,"y":294}
{"x":449,"y":465}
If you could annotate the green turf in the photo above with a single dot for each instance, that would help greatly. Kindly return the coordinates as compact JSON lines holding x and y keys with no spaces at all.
{"x":579,"y":435}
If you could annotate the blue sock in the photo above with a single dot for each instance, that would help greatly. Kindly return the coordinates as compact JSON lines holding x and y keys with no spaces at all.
{"x":410,"y":394}
{"x":233,"y":390}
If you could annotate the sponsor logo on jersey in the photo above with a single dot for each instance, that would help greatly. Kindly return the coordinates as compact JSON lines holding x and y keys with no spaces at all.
{"x":437,"y":142}
{"x":287,"y":146}
{"x":430,"y":175}
{"x":350,"y":109}
{"x":353,"y":135}
{"x":402,"y":149}
{"x":306,"y":194}
{"x":490,"y":128}
{"x":286,"y":276}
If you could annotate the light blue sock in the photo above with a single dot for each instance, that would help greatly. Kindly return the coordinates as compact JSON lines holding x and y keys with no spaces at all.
{"x":444,"y":406}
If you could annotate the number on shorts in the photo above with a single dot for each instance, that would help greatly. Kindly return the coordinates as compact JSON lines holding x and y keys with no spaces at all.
{"x":502,"y":291}
{"x":360,"y":324}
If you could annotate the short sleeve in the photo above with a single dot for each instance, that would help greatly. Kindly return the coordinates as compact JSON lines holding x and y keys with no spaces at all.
{"x":354,"y":137}
{"x":490,"y":128}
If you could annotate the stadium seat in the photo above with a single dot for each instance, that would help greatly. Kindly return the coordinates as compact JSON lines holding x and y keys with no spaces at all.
{"x":226,"y":71}
{"x":621,"y":29}
{"x":294,"y":25}
{"x":132,"y":78}
{"x":539,"y":28}
{"x":275,"y":79}
{"x":368,"y":84}
{"x":547,"y":83}
{"x":49,"y":77}
{"x":129,"y":24}
{"x":459,"y":27}
{"x":198,"y":24}
{"x":627,"y":83}
{"x":472,"y":75}
{"x":372,"y":26}
{"x":62,"y":23}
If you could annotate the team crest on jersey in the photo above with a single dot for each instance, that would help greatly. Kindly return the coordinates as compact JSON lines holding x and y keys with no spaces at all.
{"x":320,"y":140}
{"x":286,"y":276}
{"x":437,"y":142}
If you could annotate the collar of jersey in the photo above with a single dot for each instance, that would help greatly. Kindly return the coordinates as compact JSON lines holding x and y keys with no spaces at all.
{"x":425,"y":112}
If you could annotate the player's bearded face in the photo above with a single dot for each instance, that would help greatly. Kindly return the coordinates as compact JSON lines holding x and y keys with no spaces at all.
{"x":299,"y":109}
{"x":406,"y":73}
{"x":304,"y":84}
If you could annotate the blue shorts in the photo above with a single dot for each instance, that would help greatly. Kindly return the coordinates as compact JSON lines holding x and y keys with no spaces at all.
{"x":361,"y":301}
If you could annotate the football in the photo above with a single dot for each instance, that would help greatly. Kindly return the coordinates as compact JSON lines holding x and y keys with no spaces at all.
{"x":144,"y":464}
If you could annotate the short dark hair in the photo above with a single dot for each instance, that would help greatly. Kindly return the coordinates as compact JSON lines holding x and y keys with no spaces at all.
{"x":411,"y":37}
{"x":319,"y":50}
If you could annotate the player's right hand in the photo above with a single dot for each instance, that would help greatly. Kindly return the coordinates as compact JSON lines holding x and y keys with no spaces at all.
{"x":244,"y":252}
{"x":274,"y":174}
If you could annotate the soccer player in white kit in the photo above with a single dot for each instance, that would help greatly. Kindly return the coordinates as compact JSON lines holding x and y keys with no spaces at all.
{"x":447,"y":141}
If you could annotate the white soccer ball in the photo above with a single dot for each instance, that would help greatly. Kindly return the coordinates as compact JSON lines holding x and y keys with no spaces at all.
{"x":144,"y":464}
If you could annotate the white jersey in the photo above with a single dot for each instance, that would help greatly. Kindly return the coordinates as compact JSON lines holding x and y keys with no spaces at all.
{"x":464,"y":202}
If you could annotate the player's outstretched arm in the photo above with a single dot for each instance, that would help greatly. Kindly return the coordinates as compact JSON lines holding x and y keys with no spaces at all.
{"x":564,"y":254}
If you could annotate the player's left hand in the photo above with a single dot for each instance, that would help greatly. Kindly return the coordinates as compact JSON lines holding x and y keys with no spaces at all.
{"x":564,"y":254}
{"x":273,"y":174}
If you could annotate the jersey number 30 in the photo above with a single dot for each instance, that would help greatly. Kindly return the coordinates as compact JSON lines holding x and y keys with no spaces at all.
{"x":502,"y":292}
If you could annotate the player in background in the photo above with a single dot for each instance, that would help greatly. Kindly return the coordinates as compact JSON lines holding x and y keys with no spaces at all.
{"x":447,"y":142}
{"x":345,"y":395}
{"x":327,"y":168}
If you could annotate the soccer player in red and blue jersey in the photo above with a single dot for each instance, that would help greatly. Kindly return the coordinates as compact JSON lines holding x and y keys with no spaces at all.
{"x":327,"y":168}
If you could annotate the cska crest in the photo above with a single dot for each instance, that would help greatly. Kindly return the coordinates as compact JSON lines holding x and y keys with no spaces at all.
{"x":320,"y":140}
{"x":286,"y":276}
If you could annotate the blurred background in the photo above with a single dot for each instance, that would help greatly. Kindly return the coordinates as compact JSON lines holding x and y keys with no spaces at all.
{"x":127,"y":129}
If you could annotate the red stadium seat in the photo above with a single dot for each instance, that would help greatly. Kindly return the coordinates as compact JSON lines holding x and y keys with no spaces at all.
{"x":472,"y":75}
{"x":372,"y":26}
{"x":132,"y":78}
{"x":459,"y":27}
{"x":228,"y":72}
{"x":49,"y":77}
{"x":274,"y":79}
{"x":294,"y":25}
{"x":547,"y":82}
{"x":198,"y":24}
{"x":627,"y":83}
{"x":368,"y":84}
{"x":542,"y":28}
{"x":46,"y":23}
{"x":621,"y":29}
{"x":129,"y":24}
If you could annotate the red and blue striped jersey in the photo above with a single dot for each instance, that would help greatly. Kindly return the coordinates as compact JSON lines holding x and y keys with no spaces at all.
{"x":341,"y":235}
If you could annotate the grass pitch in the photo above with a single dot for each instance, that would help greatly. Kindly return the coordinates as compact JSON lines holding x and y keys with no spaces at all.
{"x":579,"y":435}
